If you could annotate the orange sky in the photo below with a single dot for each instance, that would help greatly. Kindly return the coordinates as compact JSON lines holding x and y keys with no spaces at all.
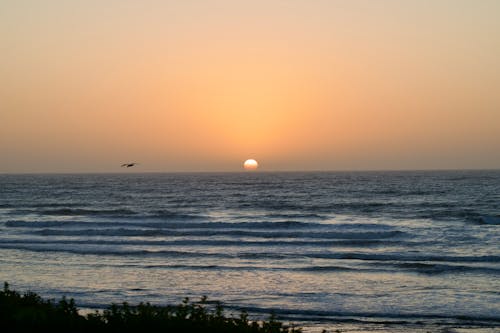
{"x":203,"y":85}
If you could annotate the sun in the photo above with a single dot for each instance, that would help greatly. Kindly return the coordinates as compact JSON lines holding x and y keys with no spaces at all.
{"x":251,"y":164}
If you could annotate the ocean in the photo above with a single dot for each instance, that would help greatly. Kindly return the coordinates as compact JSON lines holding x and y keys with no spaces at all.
{"x":371,"y":251}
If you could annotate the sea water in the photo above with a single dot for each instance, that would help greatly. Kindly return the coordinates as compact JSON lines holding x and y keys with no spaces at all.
{"x":355,"y":249}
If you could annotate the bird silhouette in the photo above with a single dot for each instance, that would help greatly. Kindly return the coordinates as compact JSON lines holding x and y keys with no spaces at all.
{"x":128,"y":165}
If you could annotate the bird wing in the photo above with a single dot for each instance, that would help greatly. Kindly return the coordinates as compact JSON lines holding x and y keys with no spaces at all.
{"x":128,"y":165}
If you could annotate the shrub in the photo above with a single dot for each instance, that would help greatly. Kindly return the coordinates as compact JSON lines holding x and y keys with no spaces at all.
{"x":31,"y":313}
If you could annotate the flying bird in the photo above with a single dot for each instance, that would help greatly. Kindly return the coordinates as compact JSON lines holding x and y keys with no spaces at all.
{"x":128,"y":165}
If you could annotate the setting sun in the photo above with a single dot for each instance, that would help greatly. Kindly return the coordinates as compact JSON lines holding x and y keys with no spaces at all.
{"x":251,"y":164}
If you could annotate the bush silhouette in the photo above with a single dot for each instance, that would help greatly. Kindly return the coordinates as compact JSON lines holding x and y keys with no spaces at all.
{"x":29,"y":312}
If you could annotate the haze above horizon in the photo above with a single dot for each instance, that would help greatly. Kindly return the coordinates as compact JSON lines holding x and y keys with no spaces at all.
{"x":204,"y":85}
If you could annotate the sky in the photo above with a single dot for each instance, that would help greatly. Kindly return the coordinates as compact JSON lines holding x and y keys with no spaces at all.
{"x":202,"y":85}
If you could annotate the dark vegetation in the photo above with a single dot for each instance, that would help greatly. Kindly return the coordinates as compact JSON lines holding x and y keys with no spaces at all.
{"x":29,"y":312}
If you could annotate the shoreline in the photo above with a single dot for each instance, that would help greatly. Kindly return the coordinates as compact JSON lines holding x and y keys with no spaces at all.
{"x":351,"y":324}
{"x":29,"y":312}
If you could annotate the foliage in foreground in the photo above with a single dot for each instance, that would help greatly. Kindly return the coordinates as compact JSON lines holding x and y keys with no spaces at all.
{"x":29,"y":312}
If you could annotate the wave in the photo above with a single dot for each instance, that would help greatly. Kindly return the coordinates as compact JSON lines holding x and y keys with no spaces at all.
{"x":167,"y":214}
{"x":313,"y":209}
{"x":385,"y":267}
{"x":203,"y":242}
{"x":367,"y":317}
{"x":493,"y":220}
{"x":255,"y":267}
{"x":449,"y":214}
{"x":67,"y":210}
{"x":120,"y":232}
{"x":162,"y":224}
{"x":200,"y":225}
{"x":81,"y":211}
{"x":54,"y":204}
{"x":431,"y":269}
{"x":328,"y":269}
{"x":295,"y":215}
{"x":399,"y":261}
{"x":260,"y":268}
{"x":396,"y":257}
{"x":115,"y":252}
{"x":373,"y":257}
{"x":43,"y":224}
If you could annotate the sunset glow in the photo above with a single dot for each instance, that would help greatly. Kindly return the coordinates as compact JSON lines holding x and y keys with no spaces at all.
{"x":195,"y":85}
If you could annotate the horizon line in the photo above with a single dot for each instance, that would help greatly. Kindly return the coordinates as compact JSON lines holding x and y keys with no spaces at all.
{"x":249,"y":172}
